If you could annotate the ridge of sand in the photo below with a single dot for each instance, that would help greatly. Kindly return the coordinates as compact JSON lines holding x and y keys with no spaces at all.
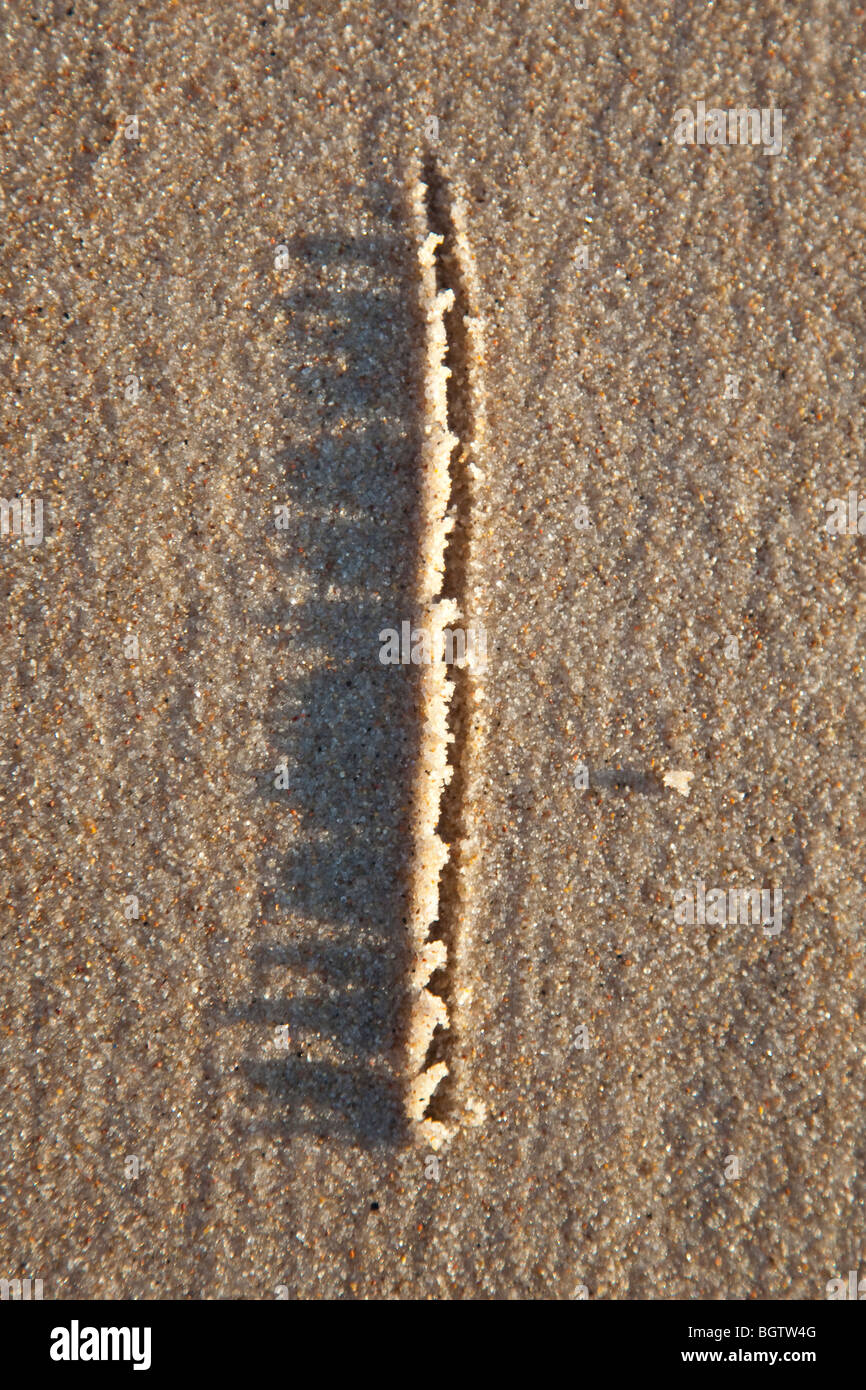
{"x":429,"y":1011}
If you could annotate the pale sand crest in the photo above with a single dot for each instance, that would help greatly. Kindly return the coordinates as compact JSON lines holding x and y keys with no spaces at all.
{"x":427,"y":1010}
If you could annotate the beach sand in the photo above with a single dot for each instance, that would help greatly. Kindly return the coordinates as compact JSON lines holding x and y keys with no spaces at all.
{"x":213,"y":376}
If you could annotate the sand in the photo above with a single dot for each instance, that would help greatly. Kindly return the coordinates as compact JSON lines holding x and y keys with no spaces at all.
{"x":213,"y":376}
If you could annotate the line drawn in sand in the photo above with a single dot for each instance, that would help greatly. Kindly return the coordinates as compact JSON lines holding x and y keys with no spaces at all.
{"x":449,"y":705}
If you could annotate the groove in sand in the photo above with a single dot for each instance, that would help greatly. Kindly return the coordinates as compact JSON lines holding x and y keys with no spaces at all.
{"x":451,"y":442}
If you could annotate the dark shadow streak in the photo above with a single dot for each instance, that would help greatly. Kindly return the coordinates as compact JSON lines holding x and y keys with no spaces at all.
{"x":331,"y":967}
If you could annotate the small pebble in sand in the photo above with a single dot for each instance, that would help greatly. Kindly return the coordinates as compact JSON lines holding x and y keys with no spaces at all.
{"x":681,"y":781}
